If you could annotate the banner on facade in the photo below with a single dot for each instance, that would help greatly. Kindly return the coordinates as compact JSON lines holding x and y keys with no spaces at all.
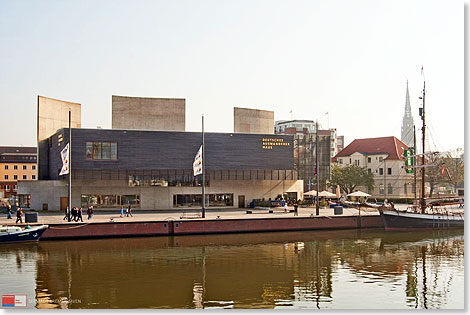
{"x":409,"y":160}
{"x":197,"y":165}
{"x":64,"y":154}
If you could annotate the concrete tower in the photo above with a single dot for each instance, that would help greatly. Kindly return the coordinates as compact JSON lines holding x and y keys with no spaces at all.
{"x":408,"y":123}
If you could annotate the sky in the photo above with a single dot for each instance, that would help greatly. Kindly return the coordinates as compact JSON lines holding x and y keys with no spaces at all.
{"x":350,"y":59}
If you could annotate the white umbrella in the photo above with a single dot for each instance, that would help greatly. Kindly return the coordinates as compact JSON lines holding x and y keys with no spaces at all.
{"x":326,"y":194}
{"x":310,"y":193}
{"x":358,"y":194}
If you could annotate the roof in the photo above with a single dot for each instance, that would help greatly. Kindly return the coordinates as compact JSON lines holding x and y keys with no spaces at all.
{"x":18,"y":150}
{"x":369,"y":146}
{"x":18,"y":154}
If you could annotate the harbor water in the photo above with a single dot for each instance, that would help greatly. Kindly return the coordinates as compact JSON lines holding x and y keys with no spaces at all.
{"x":348,"y":269}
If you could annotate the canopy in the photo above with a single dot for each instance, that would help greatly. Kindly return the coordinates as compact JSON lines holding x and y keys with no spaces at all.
{"x":326,"y":194}
{"x":310,"y":193}
{"x":358,"y":194}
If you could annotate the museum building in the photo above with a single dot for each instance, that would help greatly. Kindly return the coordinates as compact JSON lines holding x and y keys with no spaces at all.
{"x":152,"y":169}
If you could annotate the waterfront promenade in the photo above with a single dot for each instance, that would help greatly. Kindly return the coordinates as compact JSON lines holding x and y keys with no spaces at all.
{"x":109,"y":224}
{"x":103,"y":216}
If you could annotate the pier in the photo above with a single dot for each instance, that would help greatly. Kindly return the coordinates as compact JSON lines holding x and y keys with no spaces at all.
{"x":107,"y":224}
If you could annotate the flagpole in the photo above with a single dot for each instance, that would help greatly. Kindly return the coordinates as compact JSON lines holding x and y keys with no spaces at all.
{"x":70,"y":167}
{"x":203,"y":173}
{"x":317,"y":206}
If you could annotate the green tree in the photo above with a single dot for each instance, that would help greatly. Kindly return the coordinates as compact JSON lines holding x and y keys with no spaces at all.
{"x":351,"y":176}
{"x":454,"y":162}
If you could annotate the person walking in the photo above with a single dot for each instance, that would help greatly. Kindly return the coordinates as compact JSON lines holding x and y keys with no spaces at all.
{"x":74,"y":214}
{"x":9,"y":212}
{"x":285,"y":206}
{"x":130,"y":210}
{"x":67,"y":213}
{"x":121,"y":211}
{"x":19,"y":215}
{"x":296,"y":212}
{"x":79,"y":214}
{"x":90,"y":212}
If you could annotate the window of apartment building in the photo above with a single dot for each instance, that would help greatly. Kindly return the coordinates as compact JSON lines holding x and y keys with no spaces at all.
{"x":369,"y":160}
{"x":340,"y":161}
{"x":405,"y":188}
{"x":15,"y":167}
{"x":25,"y":167}
{"x":389,"y":171}
{"x":33,"y":167}
{"x":381,"y":171}
{"x":6,"y":176}
{"x":356,"y":162}
{"x":389,"y":189}
{"x":33,"y":176}
{"x":15,"y":187}
{"x":381,"y":189}
{"x":15,"y":176}
{"x":101,"y":150}
{"x":350,"y":161}
{"x":25,"y":176}
{"x":6,"y":167}
{"x":369,"y":170}
{"x":6,"y":187}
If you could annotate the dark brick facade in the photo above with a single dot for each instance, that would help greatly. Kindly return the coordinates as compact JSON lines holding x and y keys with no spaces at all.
{"x":168,"y":150}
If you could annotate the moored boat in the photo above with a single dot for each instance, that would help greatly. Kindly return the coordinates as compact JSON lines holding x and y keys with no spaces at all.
{"x":403,"y":220}
{"x":16,"y":234}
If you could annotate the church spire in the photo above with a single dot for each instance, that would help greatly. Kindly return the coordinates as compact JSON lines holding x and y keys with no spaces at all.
{"x":408,"y":123}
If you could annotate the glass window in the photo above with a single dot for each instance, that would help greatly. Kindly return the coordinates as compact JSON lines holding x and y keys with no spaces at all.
{"x":15,"y":167}
{"x":369,"y":160}
{"x":113,"y":151}
{"x":33,"y":167}
{"x":6,"y":167}
{"x":389,"y":171}
{"x":25,"y":176}
{"x":89,"y":150}
{"x":212,"y":200}
{"x":25,"y":167}
{"x":381,"y":159}
{"x":25,"y":201}
{"x":101,"y":150}
{"x":33,"y":176}
{"x":15,"y":176}
{"x":405,"y":188}
{"x":109,"y":201}
{"x":96,"y":150}
{"x":390,"y":188}
{"x":105,"y":151}
{"x":6,"y":176}
{"x":381,"y":189}
{"x":133,"y":200}
{"x":381,"y":171}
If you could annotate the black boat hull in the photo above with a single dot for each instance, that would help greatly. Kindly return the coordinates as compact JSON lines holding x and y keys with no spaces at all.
{"x":24,"y":236}
{"x":396,"y":220}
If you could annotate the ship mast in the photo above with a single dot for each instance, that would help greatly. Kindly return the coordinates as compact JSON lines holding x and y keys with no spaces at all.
{"x":421,"y":113}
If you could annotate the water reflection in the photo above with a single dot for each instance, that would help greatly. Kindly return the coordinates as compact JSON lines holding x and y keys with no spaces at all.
{"x":337,"y":269}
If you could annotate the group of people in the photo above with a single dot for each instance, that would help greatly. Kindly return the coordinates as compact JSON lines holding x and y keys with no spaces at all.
{"x":76,"y":214}
{"x":128,"y":211}
{"x":19,"y":214}
{"x":296,"y":207}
